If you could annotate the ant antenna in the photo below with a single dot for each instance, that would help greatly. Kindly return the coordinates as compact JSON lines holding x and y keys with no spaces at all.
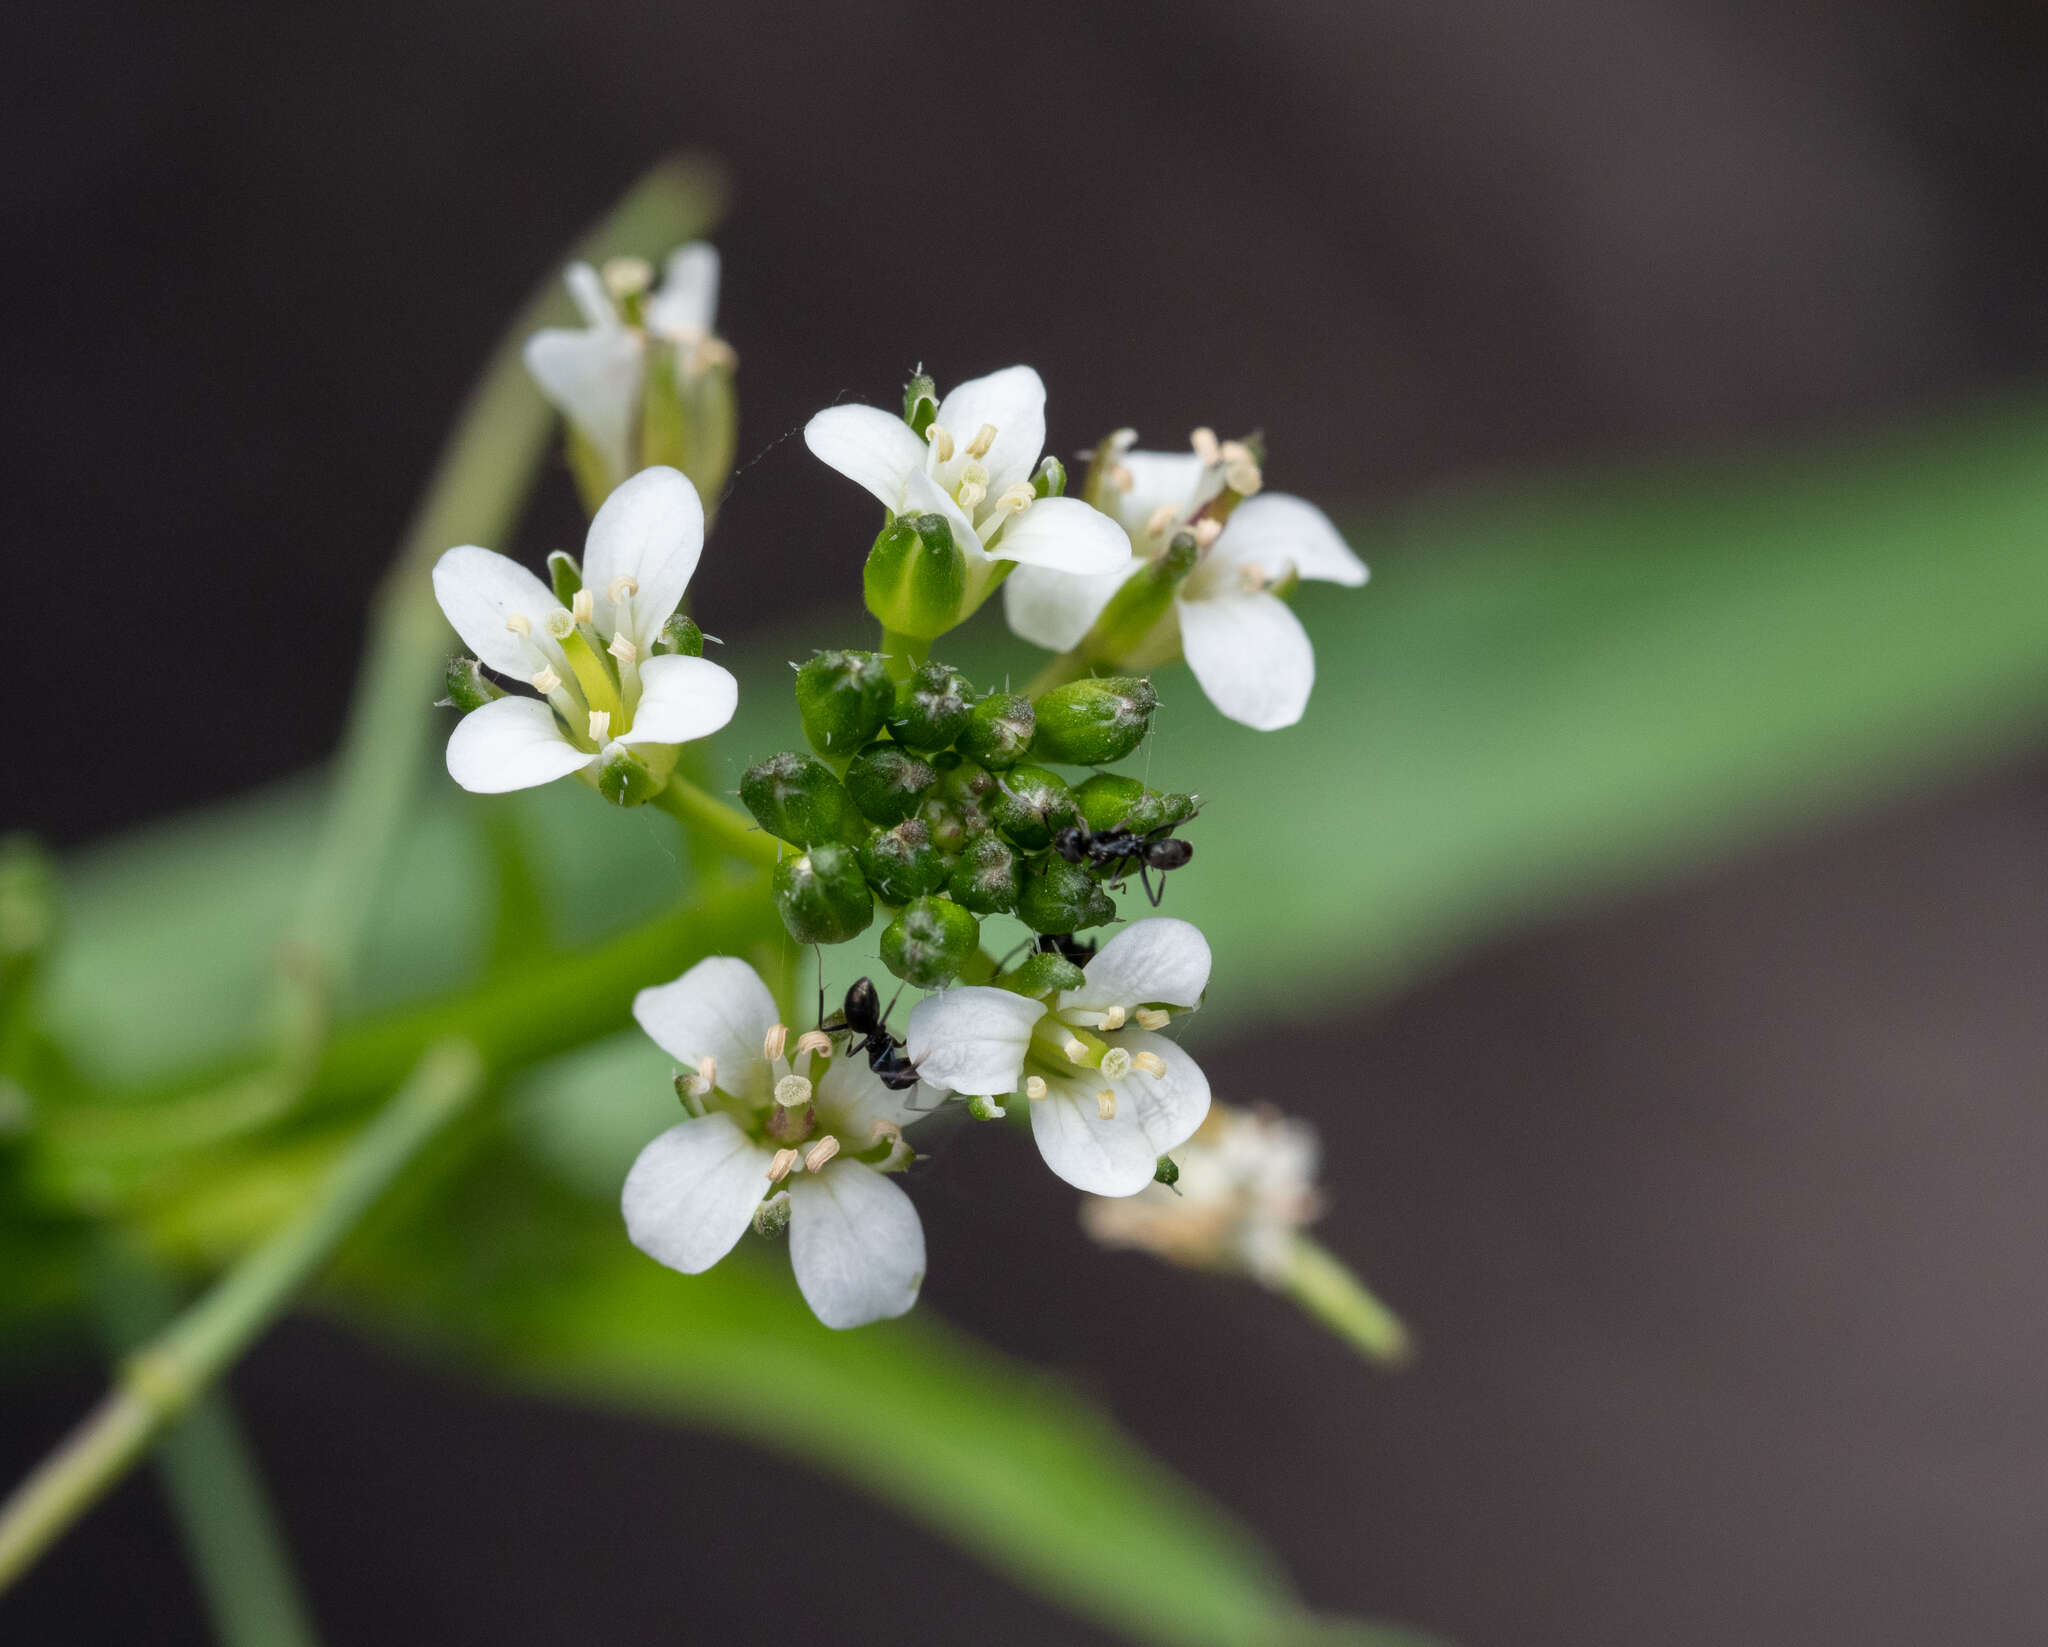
{"x":891,"y":1007}
{"x":818,"y":953}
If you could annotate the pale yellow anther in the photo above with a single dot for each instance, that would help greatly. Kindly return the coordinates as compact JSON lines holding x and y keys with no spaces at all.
{"x":780,"y":1168}
{"x":546,"y":681}
{"x":1153,"y":1018}
{"x":1116,"y":1063}
{"x":774,"y":1041}
{"x":1204,"y":442}
{"x":1034,"y":1088}
{"x":1251,"y":577}
{"x":519,"y":623}
{"x":706,"y":1077}
{"x":821,"y":1152}
{"x":583,"y":606}
{"x":623,"y":588}
{"x":884,"y":1128}
{"x":1207,"y":531}
{"x":792,"y":1092}
{"x":1235,"y":451}
{"x":813,"y":1040}
{"x":970,"y":497}
{"x":622,"y":648}
{"x":1105,"y":1104}
{"x":1243,"y":478}
{"x":1159,"y":520}
{"x":1113,"y":1017}
{"x":1121,"y":477}
{"x":708,"y":352}
{"x":1151,"y":1063}
{"x":984,"y":438}
{"x":1016,"y":499}
{"x":1075,"y":1051}
{"x":600,"y":726}
{"x":942,"y":442}
{"x":626,"y":277}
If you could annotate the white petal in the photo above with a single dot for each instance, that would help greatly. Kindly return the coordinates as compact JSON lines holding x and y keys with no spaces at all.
{"x":972,"y":1040}
{"x":593,"y":379}
{"x":681,"y":699}
{"x":851,"y":1099}
{"x":856,"y":1244}
{"x":1055,"y":609}
{"x":720,"y":1009}
{"x":593,"y":302}
{"x":924,"y":496}
{"x":1159,"y":480}
{"x":1153,"y":1115}
{"x":1013,"y":400}
{"x":1159,"y":959}
{"x":1277,"y":532}
{"x":650,"y":530}
{"x":1251,"y":655}
{"x":1066,"y":535}
{"x":479,"y":589}
{"x":686,"y":302}
{"x":693,"y":1191}
{"x":511,"y":743}
{"x":868,"y":445}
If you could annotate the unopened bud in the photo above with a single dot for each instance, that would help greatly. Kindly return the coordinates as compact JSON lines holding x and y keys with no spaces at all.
{"x":1032,"y":805}
{"x":916,"y":577}
{"x":624,"y":779}
{"x":796,"y":798}
{"x":843,"y":699}
{"x":887,"y":782}
{"x":1041,"y":974}
{"x":985,"y":1109}
{"x":1167,"y":1172}
{"x":1062,"y":897}
{"x":998,"y":732}
{"x":682,"y":636}
{"x":468,"y":686}
{"x":771,"y":1217}
{"x":932,"y":707}
{"x":901,"y":863}
{"x":928,"y":943}
{"x":822,"y":896}
{"x":1106,"y":799}
{"x":1096,"y":721}
{"x":987,"y":878}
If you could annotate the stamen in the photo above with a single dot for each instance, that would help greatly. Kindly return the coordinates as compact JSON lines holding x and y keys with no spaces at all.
{"x":1243,"y":478}
{"x":546,"y":681}
{"x":885,"y":1128}
{"x":1075,"y":1051}
{"x":942,"y":442}
{"x":970,"y":496}
{"x":1207,"y":530}
{"x":623,"y":649}
{"x":626,"y":277}
{"x":1113,"y":1017}
{"x":1235,"y":451}
{"x":813,"y":1040}
{"x":711,"y":351}
{"x":1105,"y":1104}
{"x":792,"y":1092}
{"x":1153,"y":1018}
{"x":623,"y":588}
{"x":519,"y":623}
{"x":984,"y":438}
{"x":1017,"y":499}
{"x":1157,"y":522}
{"x":1034,"y":1088}
{"x":706,"y":1077}
{"x":776,"y":1039}
{"x":600,"y":726}
{"x":821,"y":1152}
{"x":1251,"y":577}
{"x":1121,"y":477}
{"x":583,"y":606}
{"x":779,"y":1168}
{"x":1151,"y":1063}
{"x":1204,"y":442}
{"x":1116,"y":1063}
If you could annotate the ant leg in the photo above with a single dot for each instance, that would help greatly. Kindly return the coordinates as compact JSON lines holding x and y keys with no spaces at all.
{"x":1156,"y":894}
{"x":818,"y":954}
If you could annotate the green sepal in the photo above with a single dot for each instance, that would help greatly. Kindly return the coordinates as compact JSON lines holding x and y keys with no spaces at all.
{"x":1106,"y":799}
{"x":680,"y":635}
{"x":901,"y":863}
{"x":1093,"y":722}
{"x":1050,"y":480}
{"x":915,"y":580}
{"x":822,"y":896}
{"x":625,"y":781}
{"x":929,"y":941}
{"x":999,"y":729}
{"x":843,"y":698}
{"x":564,"y":574}
{"x":920,"y":403}
{"x":1031,"y":805}
{"x":888,"y":782}
{"x":988,"y":877}
{"x":1062,"y":897}
{"x":1126,"y":625}
{"x":1167,"y":1171}
{"x":1042,"y":974}
{"x":932,"y":707}
{"x":468,"y":686}
{"x":798,"y":799}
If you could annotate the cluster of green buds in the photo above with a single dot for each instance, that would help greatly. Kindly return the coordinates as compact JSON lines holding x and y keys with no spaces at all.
{"x":939,"y":804}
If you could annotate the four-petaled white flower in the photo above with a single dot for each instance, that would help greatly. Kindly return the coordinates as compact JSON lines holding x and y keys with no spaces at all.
{"x":643,"y":546}
{"x":594,"y":376}
{"x":1108,"y":1094}
{"x":1246,"y":647}
{"x":974,"y":466}
{"x":772,"y":1124}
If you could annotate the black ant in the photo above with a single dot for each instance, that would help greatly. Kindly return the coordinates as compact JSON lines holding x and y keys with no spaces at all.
{"x":864,"y":1015}
{"x":1066,"y":945}
{"x":1115,"y":849}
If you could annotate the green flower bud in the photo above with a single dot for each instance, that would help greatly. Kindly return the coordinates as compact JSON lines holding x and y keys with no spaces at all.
{"x":1050,"y":481}
{"x":843,"y":698}
{"x":916,"y":577}
{"x":963,"y":782}
{"x":1153,"y":810}
{"x":901,"y":863}
{"x":1167,"y":1172}
{"x":565,"y":575}
{"x":1041,"y":974}
{"x":932,"y":708}
{"x":1096,"y":721}
{"x":797,"y":799}
{"x":1062,"y":897}
{"x":952,"y":825}
{"x":625,"y":781}
{"x":681,"y":635}
{"x":999,"y":730}
{"x":771,"y":1217}
{"x":468,"y":686}
{"x":822,"y":896}
{"x":1031,"y":805}
{"x":887,"y":781}
{"x":1107,"y":798}
{"x":988,"y":877}
{"x":920,"y":403}
{"x":928,"y":943}
{"x":985,"y":1109}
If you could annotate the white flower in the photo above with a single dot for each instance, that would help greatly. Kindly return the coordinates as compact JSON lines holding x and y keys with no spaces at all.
{"x":773,"y":1123}
{"x":643,"y":546}
{"x":594,"y":376}
{"x":1108,"y":1095}
{"x":1244,"y":644}
{"x":1247,"y":1187}
{"x":974,"y":466}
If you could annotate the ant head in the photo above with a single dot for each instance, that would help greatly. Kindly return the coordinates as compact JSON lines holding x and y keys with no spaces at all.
{"x":1071,"y":843}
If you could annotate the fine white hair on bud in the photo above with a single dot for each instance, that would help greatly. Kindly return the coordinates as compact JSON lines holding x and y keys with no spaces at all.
{"x":773,"y":1043}
{"x":1151,"y":1063}
{"x":623,"y":648}
{"x":600,"y":726}
{"x":942,"y":442}
{"x":583,"y":606}
{"x":623,"y":588}
{"x":519,"y":623}
{"x":1034,"y":1088}
{"x":821,"y":1152}
{"x":792,"y":1092}
{"x":1116,"y":1063}
{"x":780,"y":1167}
{"x":546,"y":681}
{"x":1204,"y":442}
{"x":1105,"y":1104}
{"x":984,"y":438}
{"x":1153,"y":1018}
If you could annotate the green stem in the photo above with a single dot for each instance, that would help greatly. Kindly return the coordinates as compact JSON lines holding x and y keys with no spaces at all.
{"x":698,"y":810}
{"x":1068,"y":666}
{"x":1324,"y":1286}
{"x":902,"y":655}
{"x":159,"y":1383}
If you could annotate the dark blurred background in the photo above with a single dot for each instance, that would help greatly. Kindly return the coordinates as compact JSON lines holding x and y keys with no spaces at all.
{"x":1717,"y":1211}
